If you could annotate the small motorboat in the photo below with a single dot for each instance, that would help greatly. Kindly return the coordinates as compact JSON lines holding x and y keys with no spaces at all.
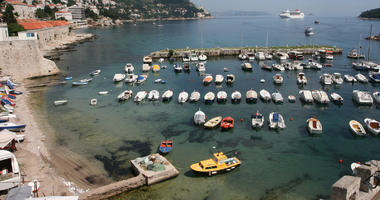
{"x":207,"y":79}
{"x":79,"y":83}
{"x":301,"y":78}
{"x":251,"y":56}
{"x":278,"y":79}
{"x":337,"y":78}
{"x":159,"y":80}
{"x":102,"y":92}
{"x":230,"y":78}
{"x":166,"y":146}
{"x":251,"y":96}
{"x":141,"y":95}
{"x":246,"y":66}
{"x":161,"y":60}
{"x":243,"y":56}
{"x":314,"y":126}
{"x":221,"y":96}
{"x":278,"y":67}
{"x":306,"y":96}
{"x":60,"y":102}
{"x":182,"y":97}
{"x":288,"y":66}
{"x":167,"y":95}
{"x":257,"y":120}
{"x":336,"y":98}
{"x":146,"y":67}
{"x":266,"y":67}
{"x":314,"y":65}
{"x":118,"y":77}
{"x":202,"y":57}
{"x":93,"y":102}
{"x":357,"y":128}
{"x":201,"y":67}
{"x":153,"y":95}
{"x":361,"y":78}
{"x":320,"y":96}
{"x":297,"y":65}
{"x":360,"y":66}
{"x":265,"y":95}
{"x":350,"y":78}
{"x":12,"y":126}
{"x":68,"y":78}
{"x":281,"y":55}
{"x":376,"y":96}
{"x":86,"y":80}
{"x":194,"y":57}
{"x":125,"y":95}
{"x":226,"y":69}
{"x":155,"y":68}
{"x":95,"y":73}
{"x":186,"y":58}
{"x":141,"y":78}
{"x":277,"y":97}
{"x":262,"y":80}
{"x":219,"y":79}
{"x":227,"y":123}
{"x":362,"y":97}
{"x":276,"y":121}
{"x":218,"y":164}
{"x":177,"y":68}
{"x":213,"y":122}
{"x":199,"y":117}
{"x":128,"y":68}
{"x":260,"y":56}
{"x":147,"y":60}
{"x":268,"y":56}
{"x":326,"y":79}
{"x":375,"y":76}
{"x":354,"y":54}
{"x":15,"y":92}
{"x":291,"y":98}
{"x":130,"y":78}
{"x":372,"y":125}
{"x":186,"y":67}
{"x":236,"y":97}
{"x":209,"y":97}
{"x":195,"y":96}
{"x":309,"y":31}
{"x":4,"y":117}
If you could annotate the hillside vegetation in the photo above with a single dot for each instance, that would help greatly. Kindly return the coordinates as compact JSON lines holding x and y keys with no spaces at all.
{"x":374,"y":13}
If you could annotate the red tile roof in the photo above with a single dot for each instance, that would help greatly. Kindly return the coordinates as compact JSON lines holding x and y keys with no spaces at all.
{"x":14,"y":2}
{"x":62,"y":11}
{"x":33,"y":24}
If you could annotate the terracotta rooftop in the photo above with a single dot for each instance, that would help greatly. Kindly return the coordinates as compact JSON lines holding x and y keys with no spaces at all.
{"x":33,"y":24}
{"x":14,"y":2}
{"x":62,"y":11}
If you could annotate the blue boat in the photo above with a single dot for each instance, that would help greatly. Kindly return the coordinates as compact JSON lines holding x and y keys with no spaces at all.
{"x":163,"y":81}
{"x":15,"y":92}
{"x":375,"y":77}
{"x":12,"y":126}
{"x":11,"y":96}
{"x":166,"y":146}
{"x":68,"y":78}
{"x":5,"y":101}
{"x":10,"y":84}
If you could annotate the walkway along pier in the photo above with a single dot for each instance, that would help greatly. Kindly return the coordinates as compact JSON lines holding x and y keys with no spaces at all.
{"x":150,"y":169}
{"x":231,"y":51}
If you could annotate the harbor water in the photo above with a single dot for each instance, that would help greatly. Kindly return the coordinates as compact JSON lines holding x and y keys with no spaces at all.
{"x":285,"y":164}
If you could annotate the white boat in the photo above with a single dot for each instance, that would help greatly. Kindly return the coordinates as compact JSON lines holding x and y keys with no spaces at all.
{"x":147,"y":60}
{"x":141,"y":95}
{"x":230,"y":78}
{"x":8,"y":108}
{"x":153,"y":95}
{"x":336,"y":98}
{"x":6,"y":116}
{"x":297,"y":65}
{"x":306,"y":96}
{"x":93,"y":102}
{"x":161,"y":60}
{"x":12,"y":126}
{"x":251,"y":56}
{"x":130,"y":78}
{"x":320,"y":96}
{"x":357,"y":128}
{"x":213,"y":122}
{"x":60,"y":102}
{"x":159,"y":80}
{"x":209,"y":97}
{"x":195,"y":96}
{"x":177,"y":68}
{"x":349,"y":78}
{"x":360,"y":66}
{"x":276,"y":121}
{"x":246,"y":66}
{"x":309,"y":31}
{"x":268,"y":56}
{"x":297,"y":14}
{"x":201,"y":67}
{"x":278,"y":79}
{"x":257,"y":120}
{"x":118,"y":77}
{"x":362,"y":97}
{"x":102,"y":92}
{"x":281,"y":55}
{"x":288,"y":66}
{"x":262,"y":80}
{"x":199,"y":117}
{"x":86,"y":80}
{"x":361,"y":78}
{"x":167,"y":95}
{"x":182,"y":97}
{"x":260,"y":55}
{"x":79,"y":83}
{"x":314,"y":65}
{"x":193,"y":57}
{"x":265,"y":95}
{"x":375,"y":76}
{"x":221,"y":96}
{"x":11,"y":174}
{"x":141,"y":78}
{"x":242,"y":56}
{"x":301,"y":78}
{"x":376,"y":96}
{"x":219,"y":79}
{"x":291,"y":98}
{"x":251,"y":95}
{"x":314,"y":126}
{"x":372,"y":125}
{"x":125,"y":95}
{"x":326,"y":79}
{"x":277,"y":97}
{"x":235,"y":96}
{"x":96,"y":72}
{"x":278,"y":67}
{"x":202,"y":57}
{"x":146,"y":67}
{"x":337,"y":78}
{"x":128,"y":68}
{"x":186,"y":58}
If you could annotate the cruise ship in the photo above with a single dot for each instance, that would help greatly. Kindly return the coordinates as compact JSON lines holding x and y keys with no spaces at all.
{"x":297,"y":14}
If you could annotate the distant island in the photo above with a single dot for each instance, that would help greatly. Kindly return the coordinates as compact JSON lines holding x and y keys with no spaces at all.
{"x":239,"y":13}
{"x":371,"y":14}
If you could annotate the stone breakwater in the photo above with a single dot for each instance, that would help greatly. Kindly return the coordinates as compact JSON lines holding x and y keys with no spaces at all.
{"x":217,"y":52}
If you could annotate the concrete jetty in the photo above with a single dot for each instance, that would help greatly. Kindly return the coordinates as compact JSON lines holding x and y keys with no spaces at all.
{"x":215,"y":52}
{"x":149,"y":169}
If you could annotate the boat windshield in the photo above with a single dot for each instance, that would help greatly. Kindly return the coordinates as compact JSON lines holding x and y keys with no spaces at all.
{"x":275,"y":117}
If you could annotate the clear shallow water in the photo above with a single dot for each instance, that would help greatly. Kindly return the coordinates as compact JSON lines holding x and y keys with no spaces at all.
{"x":288,"y":164}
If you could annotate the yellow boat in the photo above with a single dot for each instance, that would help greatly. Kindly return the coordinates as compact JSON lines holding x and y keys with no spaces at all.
{"x":219,"y":164}
{"x":213,"y":122}
{"x":156,"y":68}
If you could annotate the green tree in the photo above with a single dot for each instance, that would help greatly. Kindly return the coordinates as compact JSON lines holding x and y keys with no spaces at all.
{"x":70,"y":3}
{"x":8,"y":16}
{"x":56,"y":1}
{"x":14,"y":28}
{"x":90,"y":14}
{"x":41,"y":14}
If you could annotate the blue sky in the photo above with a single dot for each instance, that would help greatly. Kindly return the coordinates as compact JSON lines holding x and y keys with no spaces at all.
{"x":316,"y":7}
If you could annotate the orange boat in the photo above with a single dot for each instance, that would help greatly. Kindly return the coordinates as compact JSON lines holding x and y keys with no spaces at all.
{"x":227,"y":123}
{"x":207,"y":79}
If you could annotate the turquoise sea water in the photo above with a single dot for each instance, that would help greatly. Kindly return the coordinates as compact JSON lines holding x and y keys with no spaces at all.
{"x":288,"y":164}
